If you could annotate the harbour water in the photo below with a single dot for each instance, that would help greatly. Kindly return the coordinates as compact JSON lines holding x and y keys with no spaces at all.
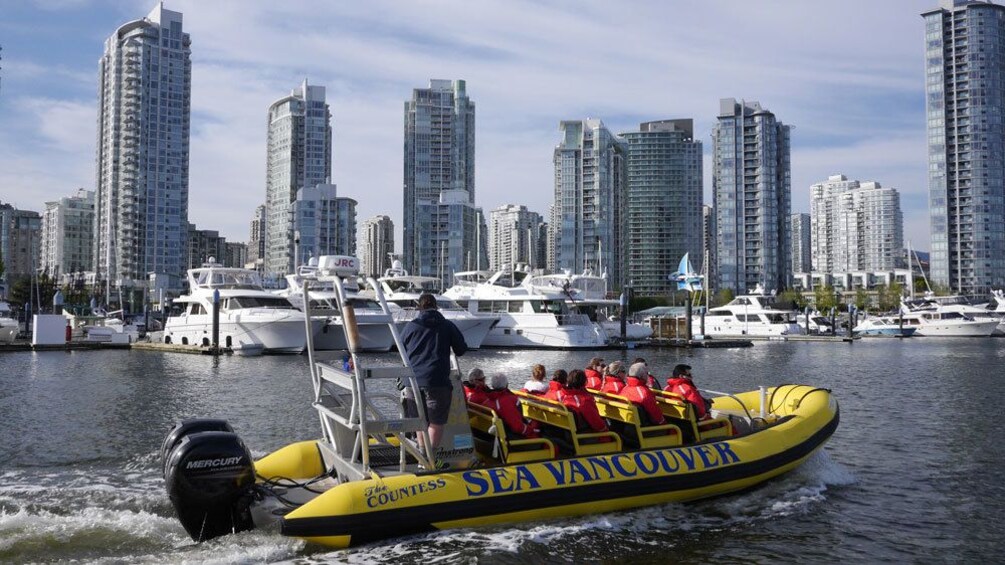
{"x":914,"y":473}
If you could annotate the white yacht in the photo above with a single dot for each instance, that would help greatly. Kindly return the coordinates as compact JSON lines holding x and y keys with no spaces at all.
{"x":884,"y":326}
{"x":330,"y":336}
{"x":250,"y":317}
{"x":528,"y":317}
{"x":402,"y":292}
{"x":947,"y":318}
{"x":9,"y":327}
{"x":587,"y":293}
{"x":749,"y":315}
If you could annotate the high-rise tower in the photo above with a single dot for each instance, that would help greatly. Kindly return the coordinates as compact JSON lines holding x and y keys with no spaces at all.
{"x":587,"y":223}
{"x":299,"y":156}
{"x":141,"y":204}
{"x":664,"y":203}
{"x":856,"y":226}
{"x":439,"y":156}
{"x":68,"y":234}
{"x":751,"y":191}
{"x":514,"y":233}
{"x":965,"y":83}
{"x":378,"y":244}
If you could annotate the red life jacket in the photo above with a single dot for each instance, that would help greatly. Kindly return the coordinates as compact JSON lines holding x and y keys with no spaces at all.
{"x":652,"y":383}
{"x":476,"y":394}
{"x":581,"y":402}
{"x":594,"y":380}
{"x":643,"y":396}
{"x":556,"y":391}
{"x":613,"y":384}
{"x":685,"y":388}
{"x":507,"y":406}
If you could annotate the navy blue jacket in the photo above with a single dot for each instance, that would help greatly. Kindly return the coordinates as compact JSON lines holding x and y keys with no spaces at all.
{"x":427,"y":340}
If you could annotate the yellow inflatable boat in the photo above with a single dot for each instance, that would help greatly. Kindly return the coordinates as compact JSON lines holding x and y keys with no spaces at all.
{"x":370,"y":477}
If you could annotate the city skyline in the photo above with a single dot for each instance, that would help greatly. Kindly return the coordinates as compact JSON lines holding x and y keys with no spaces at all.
{"x":858,"y":105}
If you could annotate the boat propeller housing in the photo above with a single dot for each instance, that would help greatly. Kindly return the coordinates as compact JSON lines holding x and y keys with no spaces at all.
{"x":210,"y":478}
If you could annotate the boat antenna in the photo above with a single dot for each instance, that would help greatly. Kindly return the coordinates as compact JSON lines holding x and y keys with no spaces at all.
{"x":923,"y":277}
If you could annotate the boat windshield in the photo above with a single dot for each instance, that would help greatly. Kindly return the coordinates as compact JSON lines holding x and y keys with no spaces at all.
{"x":237,"y":278}
{"x":549,"y":306}
{"x":242,"y":302}
{"x":441,"y":303}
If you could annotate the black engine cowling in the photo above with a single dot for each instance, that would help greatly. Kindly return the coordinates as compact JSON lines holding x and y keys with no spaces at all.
{"x":187,"y":427}
{"x":210,"y":480}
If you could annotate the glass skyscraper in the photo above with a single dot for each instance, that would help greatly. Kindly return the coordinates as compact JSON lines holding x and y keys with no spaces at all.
{"x":299,"y":156}
{"x":439,"y":156}
{"x":801,"y":247}
{"x":751,"y":192}
{"x":587,"y":224}
{"x":378,"y":245}
{"x":514,"y":233}
{"x":144,"y":100}
{"x":664,"y":203}
{"x":965,"y":84}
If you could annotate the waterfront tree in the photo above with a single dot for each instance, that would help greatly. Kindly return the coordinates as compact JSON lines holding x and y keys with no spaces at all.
{"x":825,"y":298}
{"x":723,"y":296}
{"x":791,"y":299}
{"x":861,"y":299}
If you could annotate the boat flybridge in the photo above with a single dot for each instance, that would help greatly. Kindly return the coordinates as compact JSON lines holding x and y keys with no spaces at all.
{"x":402,"y":292}
{"x":373,"y":475}
{"x":251,"y":318}
{"x":587,"y":293}
{"x":373,"y":337}
{"x":750,"y":315}
{"x":529,"y":317}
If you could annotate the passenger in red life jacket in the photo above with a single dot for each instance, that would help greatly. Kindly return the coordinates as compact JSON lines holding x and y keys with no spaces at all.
{"x":580,"y":401}
{"x":682,"y":384}
{"x":507,"y":406}
{"x":651,"y":380}
{"x":536,"y":384}
{"x":594,"y":374}
{"x":641,"y":395}
{"x":614,"y":378}
{"x":475,"y":390}
{"x":556,"y":388}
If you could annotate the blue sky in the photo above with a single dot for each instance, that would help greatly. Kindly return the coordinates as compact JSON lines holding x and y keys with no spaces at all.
{"x":848,"y":74}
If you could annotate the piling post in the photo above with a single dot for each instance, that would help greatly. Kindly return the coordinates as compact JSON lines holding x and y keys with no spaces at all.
{"x":216,"y":321}
{"x":687,"y":309}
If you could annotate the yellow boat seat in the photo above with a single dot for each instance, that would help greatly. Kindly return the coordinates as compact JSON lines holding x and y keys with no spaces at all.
{"x":557,"y":415}
{"x":636,"y":433}
{"x":682,"y":413}
{"x":492,"y":439}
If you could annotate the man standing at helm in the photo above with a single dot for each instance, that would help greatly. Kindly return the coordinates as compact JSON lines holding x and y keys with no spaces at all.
{"x":428,"y":340}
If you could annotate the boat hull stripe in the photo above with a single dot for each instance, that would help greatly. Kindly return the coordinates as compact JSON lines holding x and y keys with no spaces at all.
{"x":369,"y":526}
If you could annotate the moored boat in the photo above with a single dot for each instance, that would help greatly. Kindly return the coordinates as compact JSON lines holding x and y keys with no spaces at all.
{"x":329,"y":335}
{"x":402,"y":292}
{"x":249,"y":315}
{"x":750,"y":315}
{"x":9,"y":327}
{"x":883,"y":326}
{"x":368,"y":479}
{"x":528,"y":317}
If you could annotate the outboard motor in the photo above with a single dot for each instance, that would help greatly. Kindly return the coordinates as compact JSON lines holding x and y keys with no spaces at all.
{"x":186,"y":427}
{"x":210,"y":480}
